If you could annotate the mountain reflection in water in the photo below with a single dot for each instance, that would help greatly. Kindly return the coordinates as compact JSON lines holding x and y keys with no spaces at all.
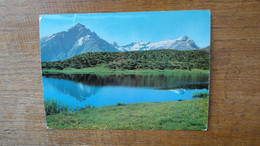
{"x":160,"y":81}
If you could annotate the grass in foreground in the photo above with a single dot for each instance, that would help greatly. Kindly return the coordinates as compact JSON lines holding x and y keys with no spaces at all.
{"x":172,"y":115}
{"x":103,"y":70}
{"x":54,"y":107}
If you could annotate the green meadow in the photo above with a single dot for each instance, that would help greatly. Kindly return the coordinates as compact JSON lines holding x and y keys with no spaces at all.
{"x":171,"y":115}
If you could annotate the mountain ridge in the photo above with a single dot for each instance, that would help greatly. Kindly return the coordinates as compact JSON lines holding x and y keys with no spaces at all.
{"x":79,"y":39}
{"x":182,"y":43}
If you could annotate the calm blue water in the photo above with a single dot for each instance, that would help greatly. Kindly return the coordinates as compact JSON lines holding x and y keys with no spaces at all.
{"x":80,"y":91}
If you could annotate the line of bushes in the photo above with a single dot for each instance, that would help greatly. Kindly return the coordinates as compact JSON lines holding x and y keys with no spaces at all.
{"x":153,"y":59}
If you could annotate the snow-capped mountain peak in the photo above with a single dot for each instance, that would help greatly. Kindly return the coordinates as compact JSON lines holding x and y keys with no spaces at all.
{"x":76,"y":40}
{"x":182,"y":43}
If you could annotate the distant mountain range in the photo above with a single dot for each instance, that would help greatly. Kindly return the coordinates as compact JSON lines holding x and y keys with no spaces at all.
{"x":182,"y":43}
{"x":79,"y":39}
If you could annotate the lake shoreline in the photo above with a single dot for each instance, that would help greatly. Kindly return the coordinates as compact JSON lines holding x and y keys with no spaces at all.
{"x":171,"y":115}
{"x":101,"y":70}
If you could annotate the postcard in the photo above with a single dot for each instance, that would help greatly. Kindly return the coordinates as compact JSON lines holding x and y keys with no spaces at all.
{"x":126,"y":70}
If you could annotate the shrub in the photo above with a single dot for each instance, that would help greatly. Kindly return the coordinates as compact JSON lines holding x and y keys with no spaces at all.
{"x":201,"y":94}
{"x":119,"y":104}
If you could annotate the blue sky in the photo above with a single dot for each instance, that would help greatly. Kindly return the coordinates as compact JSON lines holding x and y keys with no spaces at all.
{"x":125,"y":28}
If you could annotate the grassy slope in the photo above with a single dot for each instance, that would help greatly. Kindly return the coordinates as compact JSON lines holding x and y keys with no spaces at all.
{"x":206,"y":49}
{"x":172,"y":115}
{"x":103,"y":70}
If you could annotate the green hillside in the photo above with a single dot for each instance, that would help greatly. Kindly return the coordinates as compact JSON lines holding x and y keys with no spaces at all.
{"x":164,"y":59}
{"x":206,"y":49}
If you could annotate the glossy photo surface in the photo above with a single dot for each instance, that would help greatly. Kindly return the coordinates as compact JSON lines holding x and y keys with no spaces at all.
{"x":134,"y":70}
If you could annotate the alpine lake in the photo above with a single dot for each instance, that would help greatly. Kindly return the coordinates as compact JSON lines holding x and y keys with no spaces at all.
{"x":95,"y":90}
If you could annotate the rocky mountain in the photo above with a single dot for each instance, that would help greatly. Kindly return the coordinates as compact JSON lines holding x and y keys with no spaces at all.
{"x":76,"y":40}
{"x":79,"y":39}
{"x":182,"y":43}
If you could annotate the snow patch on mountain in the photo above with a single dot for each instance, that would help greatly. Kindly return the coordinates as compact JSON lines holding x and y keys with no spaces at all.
{"x":136,"y":46}
{"x":80,"y":41}
{"x":49,"y":37}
